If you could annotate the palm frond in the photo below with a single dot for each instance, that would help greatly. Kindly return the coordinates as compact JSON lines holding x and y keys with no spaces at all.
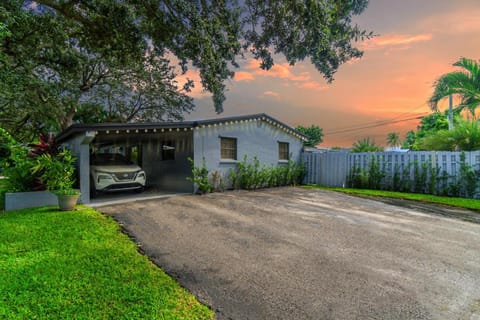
{"x":465,"y":83}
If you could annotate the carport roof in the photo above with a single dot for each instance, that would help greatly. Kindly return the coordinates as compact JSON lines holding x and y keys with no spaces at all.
{"x":147,"y":126}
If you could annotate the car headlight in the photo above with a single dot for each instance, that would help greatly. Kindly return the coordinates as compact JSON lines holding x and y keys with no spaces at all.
{"x":103,"y":176}
{"x":141,"y":174}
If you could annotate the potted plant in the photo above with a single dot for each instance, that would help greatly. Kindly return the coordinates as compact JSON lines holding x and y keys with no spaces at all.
{"x":57,"y":172}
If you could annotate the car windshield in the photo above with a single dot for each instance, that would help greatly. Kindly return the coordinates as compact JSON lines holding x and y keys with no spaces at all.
{"x":109,"y":159}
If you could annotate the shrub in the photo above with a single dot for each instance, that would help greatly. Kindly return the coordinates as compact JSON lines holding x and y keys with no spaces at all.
{"x":375,"y":174}
{"x":56,"y":171}
{"x":366,"y":179}
{"x":250,"y":176}
{"x":467,"y":180}
{"x":200,"y":177}
{"x":24,"y":166}
{"x":422,"y":178}
{"x":356,"y":178}
{"x":16,"y":165}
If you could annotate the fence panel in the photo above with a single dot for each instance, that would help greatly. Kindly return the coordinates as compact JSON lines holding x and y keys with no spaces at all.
{"x":327,"y":168}
{"x":332,"y":168}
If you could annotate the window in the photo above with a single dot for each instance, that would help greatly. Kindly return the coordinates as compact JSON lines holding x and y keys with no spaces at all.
{"x":283,"y":153}
{"x":228,"y":148}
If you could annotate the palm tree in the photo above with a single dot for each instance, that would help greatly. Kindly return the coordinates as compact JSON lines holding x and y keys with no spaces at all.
{"x":393,"y":139}
{"x":465,"y":83}
{"x":366,"y":145}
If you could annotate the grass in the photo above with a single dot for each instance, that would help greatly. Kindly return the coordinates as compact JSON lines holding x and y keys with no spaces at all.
{"x":472,"y":204}
{"x":78,"y":265}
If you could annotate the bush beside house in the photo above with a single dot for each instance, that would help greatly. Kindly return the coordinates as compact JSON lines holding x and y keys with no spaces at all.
{"x":36,"y":167}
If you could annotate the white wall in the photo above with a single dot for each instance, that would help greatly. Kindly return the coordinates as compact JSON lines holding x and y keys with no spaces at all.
{"x":254,"y":138}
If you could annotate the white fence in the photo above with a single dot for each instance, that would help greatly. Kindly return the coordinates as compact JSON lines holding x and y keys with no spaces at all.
{"x":332,"y":168}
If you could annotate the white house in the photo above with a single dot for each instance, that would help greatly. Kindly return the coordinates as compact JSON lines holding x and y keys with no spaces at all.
{"x":162,"y":149}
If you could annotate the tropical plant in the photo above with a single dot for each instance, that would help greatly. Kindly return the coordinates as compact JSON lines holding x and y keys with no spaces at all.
{"x":409,"y":142}
{"x":393,"y":139}
{"x":47,"y":144}
{"x":465,"y":136}
{"x":314,"y":134}
{"x":57,"y":172}
{"x":464,"y":83}
{"x":366,"y":145}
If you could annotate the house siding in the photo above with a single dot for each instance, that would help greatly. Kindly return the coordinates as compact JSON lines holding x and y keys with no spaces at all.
{"x":255,"y":138}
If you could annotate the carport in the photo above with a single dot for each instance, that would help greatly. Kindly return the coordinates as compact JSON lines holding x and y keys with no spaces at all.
{"x":161,"y":150}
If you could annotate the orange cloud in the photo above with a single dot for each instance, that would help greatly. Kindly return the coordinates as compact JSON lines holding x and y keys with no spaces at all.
{"x":243,"y":76}
{"x":271,"y":93}
{"x":393,"y":40}
{"x":312,"y":85}
{"x":285,"y":71}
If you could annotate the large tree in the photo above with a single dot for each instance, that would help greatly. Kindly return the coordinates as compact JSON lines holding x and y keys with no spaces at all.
{"x":464,"y":83}
{"x":116,"y":59}
{"x":314,"y":134}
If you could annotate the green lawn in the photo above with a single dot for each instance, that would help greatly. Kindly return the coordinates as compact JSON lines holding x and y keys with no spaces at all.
{"x":78,"y":265}
{"x":472,"y":204}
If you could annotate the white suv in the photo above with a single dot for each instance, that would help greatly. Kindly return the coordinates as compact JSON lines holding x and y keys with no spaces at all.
{"x":114,"y":172}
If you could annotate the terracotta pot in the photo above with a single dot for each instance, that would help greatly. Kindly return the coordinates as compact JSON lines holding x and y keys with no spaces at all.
{"x":67,"y":202}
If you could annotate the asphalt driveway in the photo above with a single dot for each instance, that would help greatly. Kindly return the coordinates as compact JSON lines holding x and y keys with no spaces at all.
{"x":294,"y":253}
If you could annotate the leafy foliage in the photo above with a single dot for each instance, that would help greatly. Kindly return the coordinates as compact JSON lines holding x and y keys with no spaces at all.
{"x":465,"y":136}
{"x":409,"y":142}
{"x":55,"y":63}
{"x":46,"y":145}
{"x":429,"y":125}
{"x":247,"y":175}
{"x":200,"y":177}
{"x":465,"y":83}
{"x":117,"y":60}
{"x":16,"y":165}
{"x":367,"y":179}
{"x":57,"y":171}
{"x":38,"y":166}
{"x":366,"y":145}
{"x":416,"y":177}
{"x":314,"y":134}
{"x":393,"y":139}
{"x":468,"y":179}
{"x":250,"y":176}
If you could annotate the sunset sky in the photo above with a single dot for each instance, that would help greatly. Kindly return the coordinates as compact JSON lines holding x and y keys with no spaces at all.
{"x":417,"y":42}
